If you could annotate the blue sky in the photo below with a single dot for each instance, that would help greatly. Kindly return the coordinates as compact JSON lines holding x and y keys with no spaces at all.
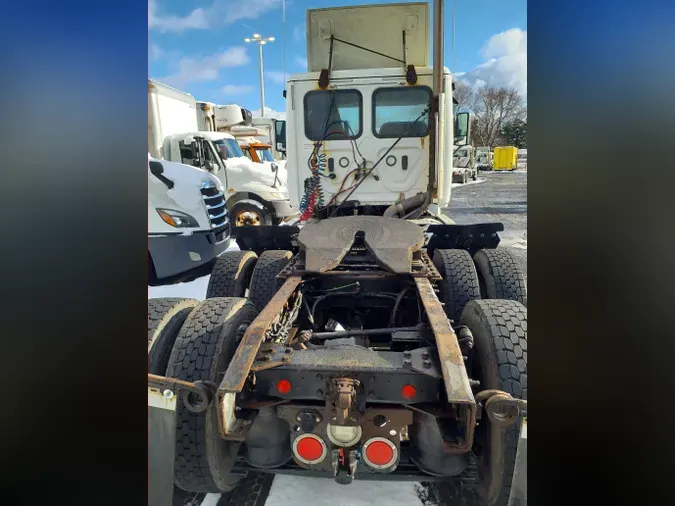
{"x":198,"y":45}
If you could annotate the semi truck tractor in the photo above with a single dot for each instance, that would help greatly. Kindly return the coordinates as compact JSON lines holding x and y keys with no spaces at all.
{"x":188,"y":223}
{"x":254,"y":194}
{"x":483,"y":158}
{"x":464,"y":165}
{"x":379,"y":340}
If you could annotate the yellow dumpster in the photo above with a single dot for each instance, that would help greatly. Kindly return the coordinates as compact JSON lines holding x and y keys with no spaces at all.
{"x":505,"y":158}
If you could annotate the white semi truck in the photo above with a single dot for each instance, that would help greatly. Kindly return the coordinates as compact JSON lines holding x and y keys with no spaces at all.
{"x":427,"y":377}
{"x":188,"y":223}
{"x":255,"y":195}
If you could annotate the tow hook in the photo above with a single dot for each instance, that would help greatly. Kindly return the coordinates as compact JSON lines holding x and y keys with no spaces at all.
{"x":344,"y":476}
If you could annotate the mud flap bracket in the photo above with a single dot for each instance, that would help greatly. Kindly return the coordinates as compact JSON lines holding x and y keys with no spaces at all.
{"x":161,"y":445}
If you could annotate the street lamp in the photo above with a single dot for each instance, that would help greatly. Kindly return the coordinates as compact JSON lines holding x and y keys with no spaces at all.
{"x":257,"y":39}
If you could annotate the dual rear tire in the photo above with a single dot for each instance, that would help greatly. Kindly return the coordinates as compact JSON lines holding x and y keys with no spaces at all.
{"x":490,"y":274}
{"x":487,"y":294}
{"x":244,"y":274}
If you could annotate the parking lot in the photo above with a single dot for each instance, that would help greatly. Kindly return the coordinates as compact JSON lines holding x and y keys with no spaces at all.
{"x":501,"y":197}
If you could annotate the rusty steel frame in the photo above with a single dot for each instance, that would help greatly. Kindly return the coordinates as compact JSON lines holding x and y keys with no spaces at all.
{"x":244,"y":357}
{"x":455,"y":377}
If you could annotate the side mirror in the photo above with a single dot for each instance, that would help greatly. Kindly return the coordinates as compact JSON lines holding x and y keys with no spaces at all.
{"x":212,"y":166}
{"x":156,"y":168}
{"x":462,"y":127}
{"x":275,"y":167}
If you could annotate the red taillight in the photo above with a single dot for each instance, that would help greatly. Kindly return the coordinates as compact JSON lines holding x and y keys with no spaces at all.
{"x":379,"y":453}
{"x":309,"y":449}
{"x":408,"y":392}
{"x":284,"y":386}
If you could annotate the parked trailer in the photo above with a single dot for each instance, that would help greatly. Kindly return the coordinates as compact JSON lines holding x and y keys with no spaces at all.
{"x":505,"y":158}
{"x":428,"y":378}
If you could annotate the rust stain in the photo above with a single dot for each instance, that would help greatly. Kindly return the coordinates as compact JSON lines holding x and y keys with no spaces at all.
{"x":455,"y":376}
{"x":243,"y":359}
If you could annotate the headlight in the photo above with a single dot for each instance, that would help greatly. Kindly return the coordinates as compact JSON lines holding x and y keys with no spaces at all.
{"x":177,"y":219}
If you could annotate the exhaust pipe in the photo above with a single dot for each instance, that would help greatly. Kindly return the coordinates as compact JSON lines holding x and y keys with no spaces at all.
{"x":439,"y":17}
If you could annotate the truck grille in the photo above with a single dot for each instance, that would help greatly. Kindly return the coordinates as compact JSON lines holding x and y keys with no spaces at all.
{"x":215,"y":204}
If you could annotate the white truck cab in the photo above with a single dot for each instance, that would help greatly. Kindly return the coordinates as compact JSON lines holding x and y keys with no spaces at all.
{"x":188,"y":223}
{"x":255,"y":195}
{"x":368,"y":113}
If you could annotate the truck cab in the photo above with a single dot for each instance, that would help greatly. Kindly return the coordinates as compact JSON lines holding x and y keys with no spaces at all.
{"x":274,"y":134}
{"x":359,"y":114}
{"x":483,"y":158}
{"x":464,"y":164}
{"x":255,"y":195}
{"x":188,"y":222}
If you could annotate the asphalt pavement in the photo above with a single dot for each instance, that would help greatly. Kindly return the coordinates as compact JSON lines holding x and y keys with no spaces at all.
{"x":502,"y":197}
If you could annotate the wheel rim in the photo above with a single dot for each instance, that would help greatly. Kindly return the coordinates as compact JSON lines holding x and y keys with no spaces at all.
{"x":248,"y":219}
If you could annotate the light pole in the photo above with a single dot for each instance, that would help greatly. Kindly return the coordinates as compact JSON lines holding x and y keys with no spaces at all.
{"x":261,"y":42}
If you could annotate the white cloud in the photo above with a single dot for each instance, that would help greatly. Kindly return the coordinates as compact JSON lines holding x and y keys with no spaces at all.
{"x":299,"y":33}
{"x":197,"y":19}
{"x":506,"y":65}
{"x":155,"y":52}
{"x":269,"y":113}
{"x":275,"y":76}
{"x":233,"y":89}
{"x":301,"y":62}
{"x":206,"y":68}
{"x":220,"y":12}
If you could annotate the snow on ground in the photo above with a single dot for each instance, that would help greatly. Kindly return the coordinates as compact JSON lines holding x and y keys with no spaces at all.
{"x":291,"y":490}
{"x":194,"y":289}
{"x":455,"y":185}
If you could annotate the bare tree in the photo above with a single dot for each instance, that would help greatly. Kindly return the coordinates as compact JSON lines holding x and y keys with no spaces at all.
{"x":464,"y":95}
{"x":493,"y":108}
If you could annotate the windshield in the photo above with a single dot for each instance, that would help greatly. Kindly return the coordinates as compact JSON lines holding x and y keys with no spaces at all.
{"x":228,"y":148}
{"x":264,"y":155}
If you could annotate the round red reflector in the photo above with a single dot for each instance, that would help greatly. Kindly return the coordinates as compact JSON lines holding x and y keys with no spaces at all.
{"x":408,"y":391}
{"x":379,"y":453}
{"x":284,"y":386}
{"x":309,"y":448}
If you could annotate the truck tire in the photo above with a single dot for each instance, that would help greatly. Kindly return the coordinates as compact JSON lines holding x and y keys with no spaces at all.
{"x":460,"y":280}
{"x":203,"y":350}
{"x":247,"y":214}
{"x":264,"y":282}
{"x":231,"y":274}
{"x":165,"y":318}
{"x":498,"y":361}
{"x":500,"y":276}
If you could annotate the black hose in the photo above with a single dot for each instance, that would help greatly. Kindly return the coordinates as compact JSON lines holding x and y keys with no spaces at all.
{"x":399,"y":299}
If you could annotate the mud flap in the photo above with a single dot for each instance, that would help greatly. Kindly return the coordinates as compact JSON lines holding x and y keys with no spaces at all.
{"x":518,"y":495}
{"x":161,"y":446}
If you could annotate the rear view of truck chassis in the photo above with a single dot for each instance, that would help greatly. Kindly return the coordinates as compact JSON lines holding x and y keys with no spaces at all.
{"x":425,"y":381}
